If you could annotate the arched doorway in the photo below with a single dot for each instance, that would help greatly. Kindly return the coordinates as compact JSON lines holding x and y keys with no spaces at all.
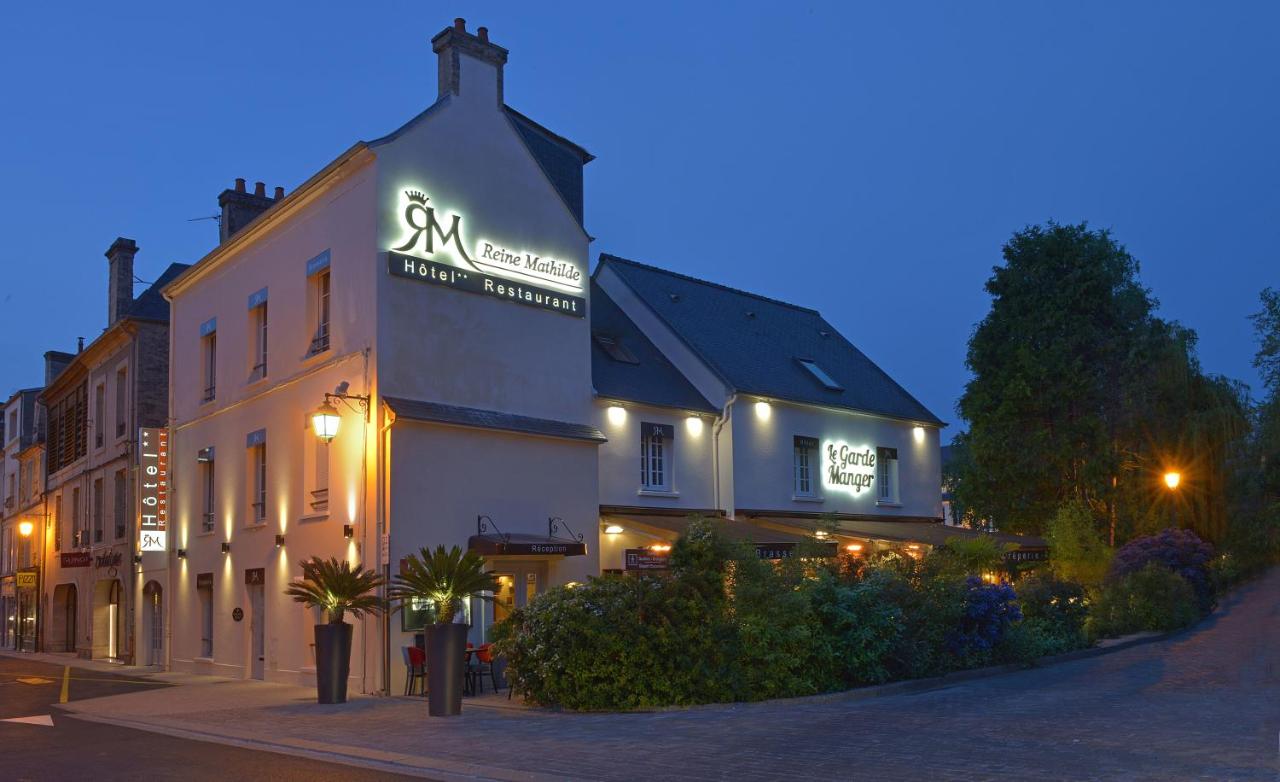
{"x":62,"y":627}
{"x":153,"y":622}
{"x":108,"y":619}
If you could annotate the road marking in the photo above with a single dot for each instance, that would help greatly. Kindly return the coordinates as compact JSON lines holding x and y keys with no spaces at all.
{"x":66,"y":683}
{"x":34,"y":680}
{"x":40,"y":719}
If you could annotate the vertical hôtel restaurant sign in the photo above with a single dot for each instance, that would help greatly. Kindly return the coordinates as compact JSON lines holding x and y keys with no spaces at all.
{"x":153,"y":489}
{"x":432,"y":249}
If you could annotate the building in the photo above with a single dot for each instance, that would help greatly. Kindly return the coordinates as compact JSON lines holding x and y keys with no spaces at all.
{"x":96,"y":582}
{"x":430,"y":288}
{"x":21,"y":522}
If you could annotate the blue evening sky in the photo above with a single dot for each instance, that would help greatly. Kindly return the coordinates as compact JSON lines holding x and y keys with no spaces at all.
{"x":865,"y":159}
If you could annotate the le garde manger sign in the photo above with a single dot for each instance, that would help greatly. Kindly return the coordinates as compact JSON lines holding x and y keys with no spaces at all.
{"x":432,"y":250}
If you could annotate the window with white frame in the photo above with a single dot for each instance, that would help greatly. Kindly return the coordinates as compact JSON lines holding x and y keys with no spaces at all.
{"x":804,"y":463}
{"x":258,"y":335}
{"x":258,"y":476}
{"x":318,"y":302}
{"x":317,"y":474}
{"x":887,"y":475}
{"x":657,"y":446}
{"x":79,"y":535}
{"x":98,"y":521}
{"x":57,"y":523}
{"x":120,"y":497}
{"x":99,"y":414}
{"x":209,"y":361}
{"x":207,"y":484}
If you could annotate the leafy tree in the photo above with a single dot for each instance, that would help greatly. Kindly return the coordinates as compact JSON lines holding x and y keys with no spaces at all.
{"x":1076,"y":549}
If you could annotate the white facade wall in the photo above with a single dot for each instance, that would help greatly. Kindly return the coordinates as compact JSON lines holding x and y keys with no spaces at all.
{"x":338,"y":219}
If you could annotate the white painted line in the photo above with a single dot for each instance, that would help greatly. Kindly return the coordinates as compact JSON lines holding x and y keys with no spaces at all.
{"x":40,"y":719}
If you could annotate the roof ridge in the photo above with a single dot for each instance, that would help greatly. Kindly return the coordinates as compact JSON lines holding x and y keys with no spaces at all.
{"x":708,"y":283}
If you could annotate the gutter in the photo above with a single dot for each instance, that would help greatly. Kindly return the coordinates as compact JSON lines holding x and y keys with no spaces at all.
{"x":725,"y":415}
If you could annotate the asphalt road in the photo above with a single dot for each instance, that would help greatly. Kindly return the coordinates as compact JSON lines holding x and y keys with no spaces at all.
{"x":76,"y":749}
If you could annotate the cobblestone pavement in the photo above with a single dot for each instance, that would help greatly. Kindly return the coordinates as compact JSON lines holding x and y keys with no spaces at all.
{"x":1202,"y":705}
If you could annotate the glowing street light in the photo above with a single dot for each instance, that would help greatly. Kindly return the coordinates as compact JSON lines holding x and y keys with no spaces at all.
{"x":25,"y":528}
{"x":1172,"y":479}
{"x":325,"y":421}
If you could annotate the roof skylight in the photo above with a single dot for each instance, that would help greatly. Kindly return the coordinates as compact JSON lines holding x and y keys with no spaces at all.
{"x":820,"y":374}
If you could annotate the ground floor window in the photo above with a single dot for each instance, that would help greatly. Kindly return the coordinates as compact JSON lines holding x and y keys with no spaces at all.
{"x":204,"y":595}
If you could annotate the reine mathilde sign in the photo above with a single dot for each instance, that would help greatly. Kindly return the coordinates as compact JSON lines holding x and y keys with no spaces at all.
{"x":489,"y":269}
{"x":153,"y":489}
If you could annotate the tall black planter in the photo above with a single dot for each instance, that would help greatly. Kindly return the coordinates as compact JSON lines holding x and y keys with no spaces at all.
{"x":333,"y":662}
{"x":446,"y":667}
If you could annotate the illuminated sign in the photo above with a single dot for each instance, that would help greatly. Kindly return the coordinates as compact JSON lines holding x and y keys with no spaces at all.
{"x":849,"y":468}
{"x":645,"y":559}
{"x":432,"y":249}
{"x":25,"y":579}
{"x":153,"y":495}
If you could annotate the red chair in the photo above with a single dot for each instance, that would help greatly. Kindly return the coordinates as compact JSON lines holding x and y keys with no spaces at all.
{"x":484,"y":657}
{"x":415,"y":660}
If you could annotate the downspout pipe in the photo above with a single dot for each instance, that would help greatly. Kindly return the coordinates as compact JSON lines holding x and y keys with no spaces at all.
{"x":726,"y":413}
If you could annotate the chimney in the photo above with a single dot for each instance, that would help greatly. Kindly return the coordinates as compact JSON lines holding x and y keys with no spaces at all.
{"x":240,"y":207}
{"x":54,"y":362}
{"x":119,"y":278}
{"x":469,"y":66}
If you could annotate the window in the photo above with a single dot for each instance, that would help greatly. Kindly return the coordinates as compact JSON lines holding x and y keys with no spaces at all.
{"x":122,"y":399}
{"x":656,"y":444}
{"x":78,"y":536}
{"x":320,"y":307}
{"x":204,"y":593}
{"x":66,"y":440}
{"x":119,"y":500}
{"x":805,"y":454}
{"x":210,"y":367}
{"x":207,"y":484}
{"x":99,"y":414}
{"x":258,"y":476}
{"x":820,"y":374}
{"x":317,"y":475}
{"x":887,"y":475}
{"x":259,"y":342}
{"x":614,"y":349}
{"x":11,"y":497}
{"x":13,"y":424}
{"x":57,"y":523}
{"x":97,"y":511}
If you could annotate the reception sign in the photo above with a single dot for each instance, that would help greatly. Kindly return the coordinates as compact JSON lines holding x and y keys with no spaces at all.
{"x":153,"y":485}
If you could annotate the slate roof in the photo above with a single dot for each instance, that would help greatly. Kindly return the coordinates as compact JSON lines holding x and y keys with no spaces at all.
{"x":436,"y":413}
{"x":151,"y":304}
{"x":652,"y":379}
{"x":561,"y":159}
{"x":753,"y":343}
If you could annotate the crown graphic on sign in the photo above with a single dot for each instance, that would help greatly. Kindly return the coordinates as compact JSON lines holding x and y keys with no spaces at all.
{"x":416,"y":196}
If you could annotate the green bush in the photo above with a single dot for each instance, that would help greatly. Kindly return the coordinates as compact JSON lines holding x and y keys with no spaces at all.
{"x":1077,"y":551}
{"x":857,"y":628}
{"x":1154,"y":598}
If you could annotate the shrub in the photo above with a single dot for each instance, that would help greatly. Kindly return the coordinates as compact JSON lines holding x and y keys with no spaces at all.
{"x":1077,"y":551}
{"x":1177,"y":550}
{"x":971,"y":556}
{"x":930,"y":604}
{"x":856,"y":630}
{"x":1153,"y":598}
{"x":989,"y":609}
{"x":1053,"y":619}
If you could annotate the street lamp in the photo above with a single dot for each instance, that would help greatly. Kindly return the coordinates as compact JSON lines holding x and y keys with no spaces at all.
{"x":325,"y":421}
{"x":25,"y":528}
{"x":1172,"y":479}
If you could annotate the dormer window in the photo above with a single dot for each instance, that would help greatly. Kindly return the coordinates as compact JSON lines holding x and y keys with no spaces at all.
{"x":820,"y":374}
{"x":614,"y":349}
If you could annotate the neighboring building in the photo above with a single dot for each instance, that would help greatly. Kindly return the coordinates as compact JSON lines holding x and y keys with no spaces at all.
{"x":96,"y":582}
{"x":19,"y":553}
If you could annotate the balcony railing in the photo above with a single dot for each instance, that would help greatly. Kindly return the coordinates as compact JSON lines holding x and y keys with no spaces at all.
{"x":208,"y":394}
{"x":320,"y":499}
{"x":207,"y":522}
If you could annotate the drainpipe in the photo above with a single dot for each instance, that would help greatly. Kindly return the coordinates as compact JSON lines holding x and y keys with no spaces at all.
{"x":725,"y":415}
{"x":383,"y":477}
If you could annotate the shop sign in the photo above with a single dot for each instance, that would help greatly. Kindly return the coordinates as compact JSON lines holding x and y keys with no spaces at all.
{"x":511,"y":545}
{"x":849,"y":468}
{"x":109,"y":559}
{"x":204,"y":581}
{"x":153,"y":494}
{"x":76,"y":559}
{"x":253,"y":576}
{"x":25,"y":579}
{"x":788,"y":550}
{"x":431,"y":252}
{"x":1032,"y":555}
{"x":645,"y":559}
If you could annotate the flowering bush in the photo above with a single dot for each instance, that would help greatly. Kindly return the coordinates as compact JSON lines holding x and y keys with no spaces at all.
{"x":989,"y":609}
{"x":1177,"y":550}
{"x":1153,"y":599}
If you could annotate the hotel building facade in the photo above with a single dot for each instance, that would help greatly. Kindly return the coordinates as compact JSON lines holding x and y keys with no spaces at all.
{"x":434,"y":287}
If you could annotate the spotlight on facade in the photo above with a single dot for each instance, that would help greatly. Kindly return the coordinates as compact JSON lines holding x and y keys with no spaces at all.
{"x":182,"y":553}
{"x":617,"y":415}
{"x":137,"y":559}
{"x":853,"y":548}
{"x":613,"y":529}
{"x":348,"y":531}
{"x":1172,"y":479}
{"x":25,"y":528}
{"x":918,"y":434}
{"x":325,"y":421}
{"x":226,"y":548}
{"x":763,"y":411}
{"x":279,"y":541}
{"x":693,"y":424}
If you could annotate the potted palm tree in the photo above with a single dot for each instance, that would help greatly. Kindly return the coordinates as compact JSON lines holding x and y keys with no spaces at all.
{"x":337,"y":588}
{"x":444,"y":580}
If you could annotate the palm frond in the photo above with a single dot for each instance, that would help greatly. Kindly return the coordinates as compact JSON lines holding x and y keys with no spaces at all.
{"x":445,"y":577}
{"x":336,"y":587}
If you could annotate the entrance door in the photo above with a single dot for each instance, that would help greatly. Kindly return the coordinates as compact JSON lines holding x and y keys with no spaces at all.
{"x":518,"y":583}
{"x":154,"y":637}
{"x":257,"y":632}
